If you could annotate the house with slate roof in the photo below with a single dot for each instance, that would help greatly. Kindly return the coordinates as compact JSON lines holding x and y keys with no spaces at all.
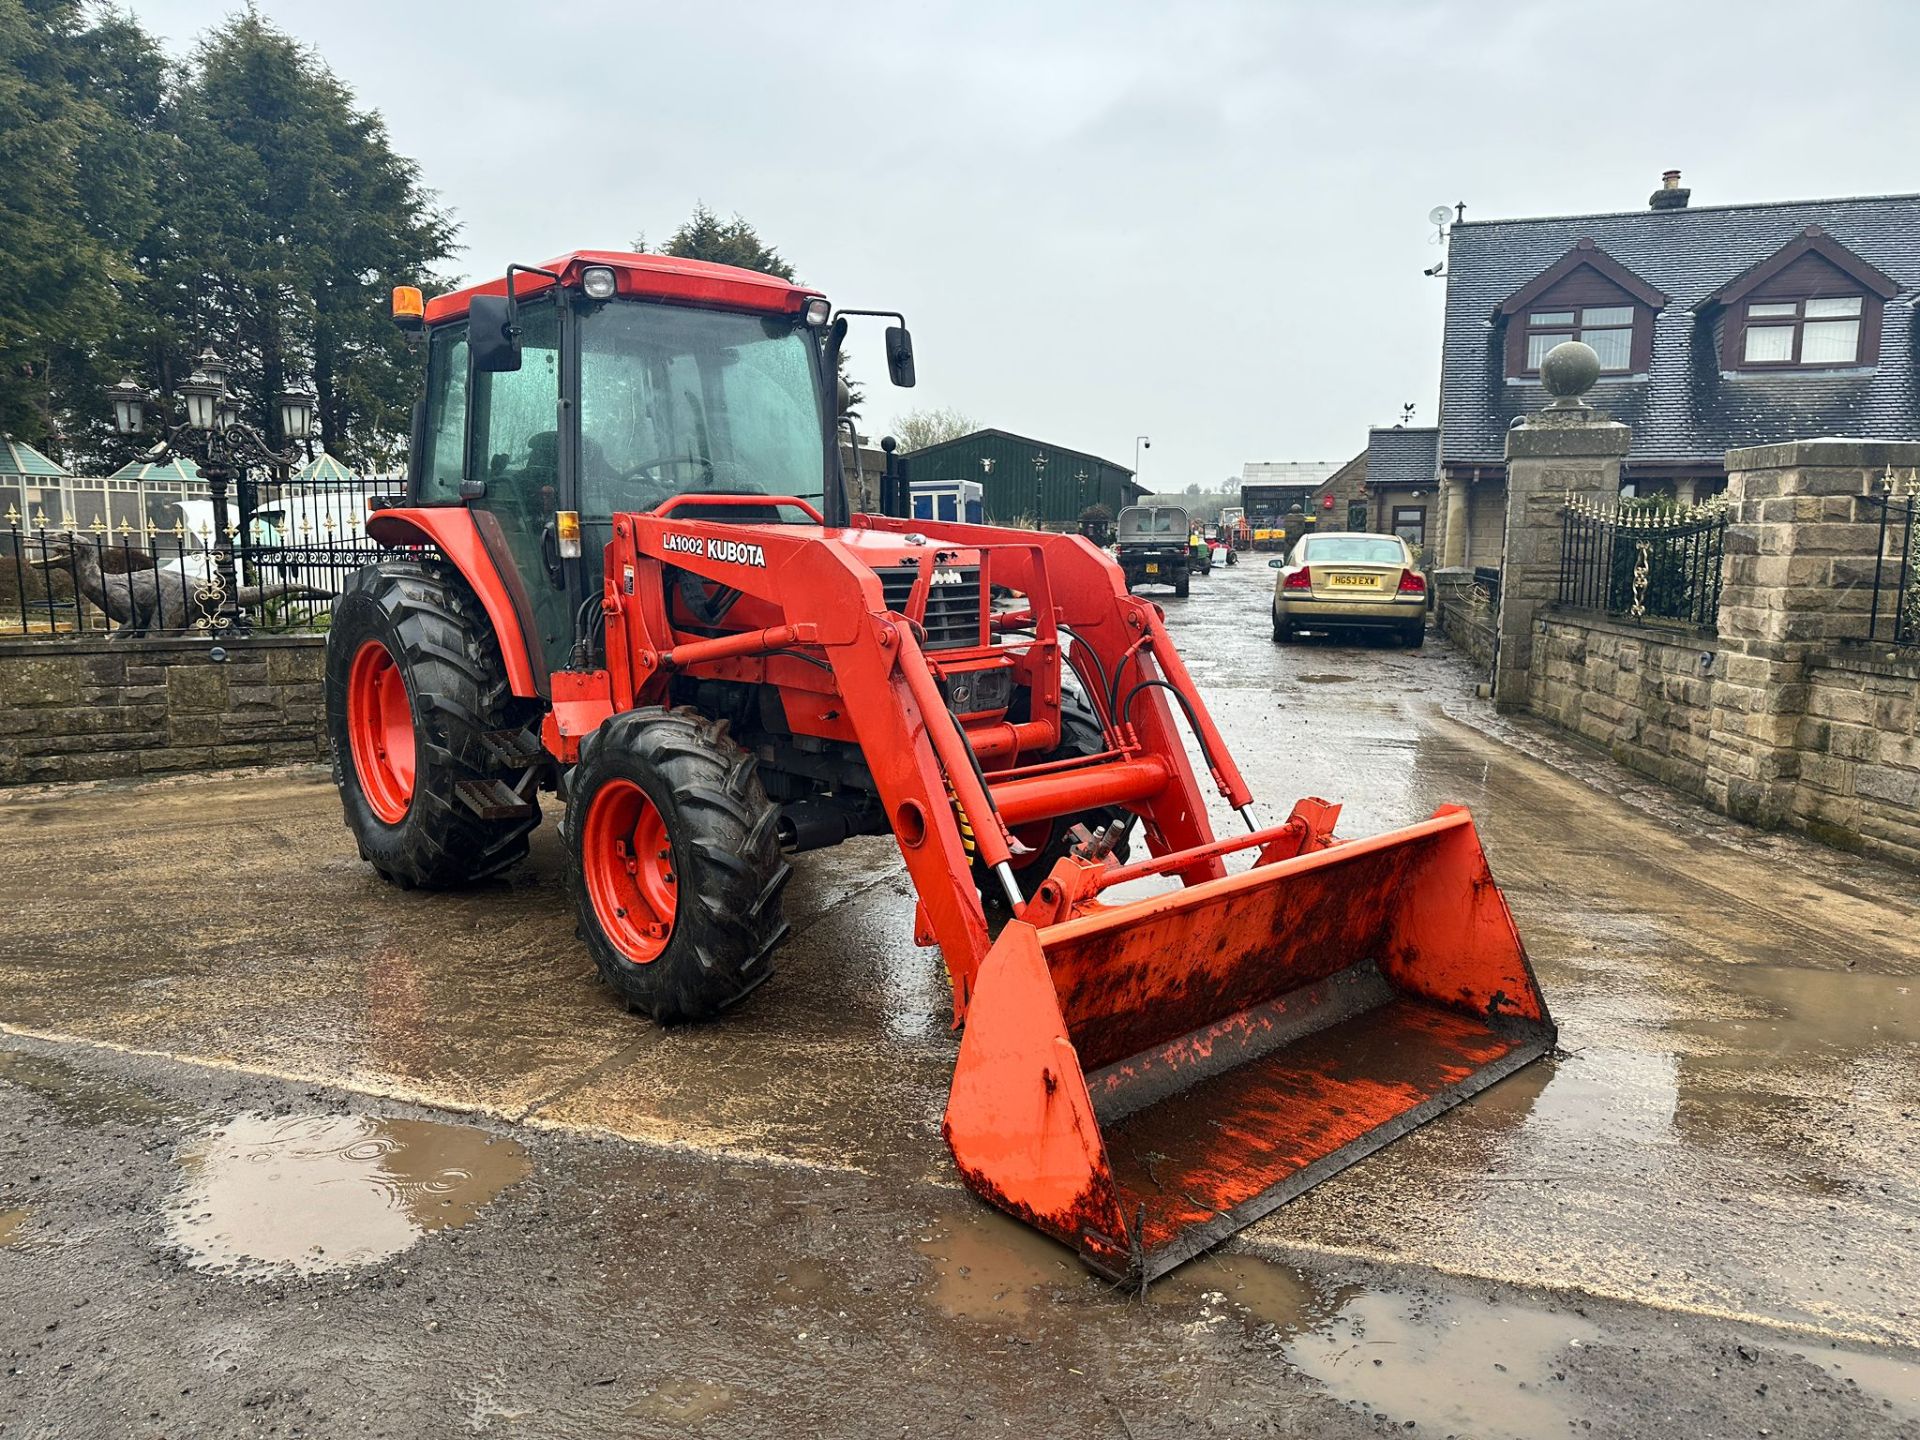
{"x":1387,"y":488}
{"x":1716,"y":327}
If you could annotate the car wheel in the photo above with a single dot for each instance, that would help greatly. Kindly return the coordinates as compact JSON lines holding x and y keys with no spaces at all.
{"x":1416,"y":636}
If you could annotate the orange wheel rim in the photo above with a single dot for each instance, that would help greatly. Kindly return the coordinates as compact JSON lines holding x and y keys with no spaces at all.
{"x":380,"y":731}
{"x":628,"y":864}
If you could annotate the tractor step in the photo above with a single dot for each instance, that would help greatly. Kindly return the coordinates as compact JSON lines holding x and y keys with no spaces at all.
{"x":493,"y":800}
{"x":513,"y":749}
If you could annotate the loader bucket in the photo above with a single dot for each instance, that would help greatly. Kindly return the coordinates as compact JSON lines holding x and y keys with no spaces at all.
{"x":1141,"y":1080}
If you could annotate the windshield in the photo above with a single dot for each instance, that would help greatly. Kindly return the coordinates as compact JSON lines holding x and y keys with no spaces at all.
{"x":675,"y":400}
{"x":1140,"y":520}
{"x":1355,"y":550}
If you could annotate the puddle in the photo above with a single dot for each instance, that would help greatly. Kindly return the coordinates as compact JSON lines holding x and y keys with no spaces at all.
{"x":1448,"y":1366}
{"x":1796,"y":1011}
{"x":80,"y":1097}
{"x":685,"y":1402}
{"x":1324,"y":679}
{"x":1280,"y":1295}
{"x":1893,"y":1382}
{"x":266,"y":1194}
{"x":988,"y":1266}
{"x":12,"y":1222}
{"x":800,"y":1280}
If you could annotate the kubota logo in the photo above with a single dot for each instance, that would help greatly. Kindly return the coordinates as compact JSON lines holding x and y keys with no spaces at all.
{"x":732,"y":552}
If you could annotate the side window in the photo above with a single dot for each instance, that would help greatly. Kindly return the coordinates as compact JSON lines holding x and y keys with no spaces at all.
{"x":516,"y":436}
{"x":446,"y":414}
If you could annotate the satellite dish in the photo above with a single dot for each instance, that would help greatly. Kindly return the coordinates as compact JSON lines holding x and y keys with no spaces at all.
{"x":1440,"y":215}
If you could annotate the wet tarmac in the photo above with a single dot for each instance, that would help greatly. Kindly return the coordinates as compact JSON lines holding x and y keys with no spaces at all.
{"x":202,"y":988}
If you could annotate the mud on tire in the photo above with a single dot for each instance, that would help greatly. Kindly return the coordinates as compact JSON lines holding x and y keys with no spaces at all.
{"x":726,"y":866}
{"x":437,"y":638}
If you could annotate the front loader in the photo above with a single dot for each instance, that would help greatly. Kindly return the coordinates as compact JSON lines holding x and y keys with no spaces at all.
{"x":624,"y":575}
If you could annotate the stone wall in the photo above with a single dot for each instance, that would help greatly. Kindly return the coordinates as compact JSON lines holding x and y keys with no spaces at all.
{"x":85,"y":709}
{"x":1644,"y":696}
{"x":1857,"y":783}
{"x":1789,"y":715}
{"x":1462,"y":614}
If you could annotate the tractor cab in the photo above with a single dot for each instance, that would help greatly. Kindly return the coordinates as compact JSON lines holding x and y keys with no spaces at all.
{"x":603,"y":384}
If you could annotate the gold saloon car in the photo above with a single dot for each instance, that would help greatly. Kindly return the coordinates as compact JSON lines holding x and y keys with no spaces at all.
{"x":1349,"y":580}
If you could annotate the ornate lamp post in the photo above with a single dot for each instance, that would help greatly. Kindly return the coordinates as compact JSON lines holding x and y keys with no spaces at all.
{"x":224,"y":447}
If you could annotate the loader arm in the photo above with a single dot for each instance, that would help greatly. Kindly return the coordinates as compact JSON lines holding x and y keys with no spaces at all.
{"x":879,"y":688}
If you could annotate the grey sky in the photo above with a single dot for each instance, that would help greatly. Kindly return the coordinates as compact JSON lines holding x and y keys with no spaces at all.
{"x":1205,"y":222}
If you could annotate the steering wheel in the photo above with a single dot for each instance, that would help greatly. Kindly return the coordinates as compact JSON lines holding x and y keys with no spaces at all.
{"x":648,"y":476}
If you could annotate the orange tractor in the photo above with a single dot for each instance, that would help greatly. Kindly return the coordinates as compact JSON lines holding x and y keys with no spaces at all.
{"x":623,"y":573}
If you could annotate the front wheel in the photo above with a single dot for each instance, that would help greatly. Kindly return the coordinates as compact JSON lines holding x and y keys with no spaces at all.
{"x":675,"y":866}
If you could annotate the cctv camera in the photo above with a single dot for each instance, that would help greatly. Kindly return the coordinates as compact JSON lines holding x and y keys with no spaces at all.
{"x":1439,"y":269}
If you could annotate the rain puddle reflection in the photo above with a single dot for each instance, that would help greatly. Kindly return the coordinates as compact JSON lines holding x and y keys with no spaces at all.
{"x":1281,"y":1295}
{"x":1495,"y":1372}
{"x":987,"y":1267}
{"x":685,"y":1402}
{"x":264,"y":1194}
{"x":12,"y":1222}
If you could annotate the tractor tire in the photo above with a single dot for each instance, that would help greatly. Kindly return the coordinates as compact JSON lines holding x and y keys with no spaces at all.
{"x":675,"y":868}
{"x":417,"y":700}
{"x":1050,"y":839}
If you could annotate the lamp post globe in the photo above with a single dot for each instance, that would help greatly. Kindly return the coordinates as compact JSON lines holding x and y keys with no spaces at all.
{"x":202,"y":398}
{"x":129,"y":404}
{"x":296,"y":413}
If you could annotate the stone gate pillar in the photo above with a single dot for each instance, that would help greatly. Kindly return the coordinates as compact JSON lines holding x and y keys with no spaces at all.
{"x":1569,"y":448}
{"x":1797,"y":576}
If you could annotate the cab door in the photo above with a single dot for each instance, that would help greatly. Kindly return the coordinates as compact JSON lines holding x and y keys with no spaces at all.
{"x":520,"y":451}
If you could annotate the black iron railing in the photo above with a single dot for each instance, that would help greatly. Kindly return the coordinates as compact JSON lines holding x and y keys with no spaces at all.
{"x":166,"y":582}
{"x":1896,"y":571}
{"x":1644,"y":560}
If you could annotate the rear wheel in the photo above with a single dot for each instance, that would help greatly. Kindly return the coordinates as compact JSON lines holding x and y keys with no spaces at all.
{"x":1180,"y":583}
{"x":1282,"y":631}
{"x":1415,"y":636}
{"x":418,"y":705}
{"x":675,"y":867}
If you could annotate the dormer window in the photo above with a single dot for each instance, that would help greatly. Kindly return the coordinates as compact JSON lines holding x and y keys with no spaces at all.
{"x":1587,"y":296}
{"x":1607,"y":328}
{"x":1811,"y":305}
{"x":1823,"y":330}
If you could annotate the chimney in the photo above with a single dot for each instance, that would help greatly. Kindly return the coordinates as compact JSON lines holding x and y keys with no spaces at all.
{"x":1669,"y":196}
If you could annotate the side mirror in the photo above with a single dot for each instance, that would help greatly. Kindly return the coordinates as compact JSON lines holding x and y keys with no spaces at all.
{"x":1276,"y":564}
{"x":491,"y":340}
{"x":900,"y":356}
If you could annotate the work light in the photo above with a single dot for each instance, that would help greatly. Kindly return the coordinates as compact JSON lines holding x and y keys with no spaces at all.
{"x":817,"y":312}
{"x":597,"y":281}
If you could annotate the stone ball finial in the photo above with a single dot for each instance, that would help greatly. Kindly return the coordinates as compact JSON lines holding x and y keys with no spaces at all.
{"x":1568,"y":371}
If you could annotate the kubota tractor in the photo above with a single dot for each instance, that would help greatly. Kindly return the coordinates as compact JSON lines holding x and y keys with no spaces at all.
{"x":623,"y":574}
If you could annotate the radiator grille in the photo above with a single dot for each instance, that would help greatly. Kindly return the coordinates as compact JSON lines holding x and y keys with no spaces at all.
{"x":953,"y":609}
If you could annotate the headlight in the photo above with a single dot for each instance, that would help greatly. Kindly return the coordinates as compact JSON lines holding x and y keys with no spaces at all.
{"x":597,"y":281}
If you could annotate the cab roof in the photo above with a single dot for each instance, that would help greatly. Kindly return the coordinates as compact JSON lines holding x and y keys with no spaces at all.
{"x":648,"y":277}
